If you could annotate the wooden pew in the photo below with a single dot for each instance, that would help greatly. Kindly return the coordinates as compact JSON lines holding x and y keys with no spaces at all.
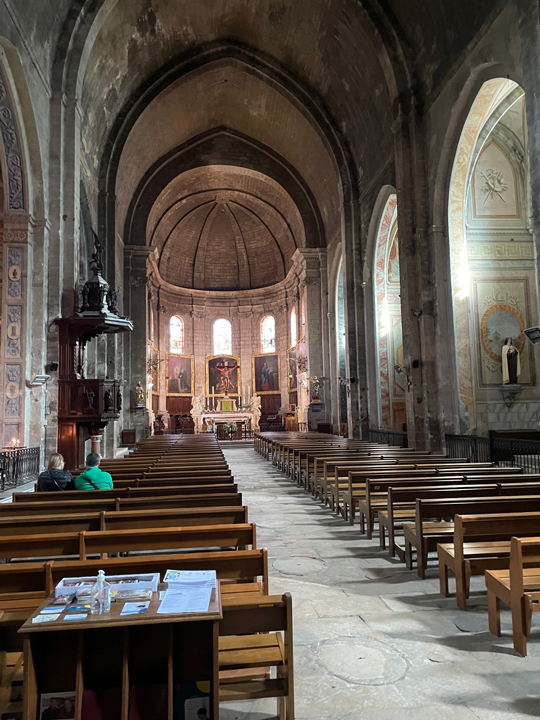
{"x":518,"y":587}
{"x":119,"y":504}
{"x":481,"y":542}
{"x":126,"y":520}
{"x":401,"y":506}
{"x":255,"y":635}
{"x":58,"y":498}
{"x":26,"y":585}
{"x":105,"y":542}
{"x":425,"y":536}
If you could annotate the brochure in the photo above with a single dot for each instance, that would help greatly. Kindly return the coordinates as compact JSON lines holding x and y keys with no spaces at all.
{"x":135,"y":608}
{"x":57,"y":705}
{"x":185,"y":600}
{"x":199,"y":578}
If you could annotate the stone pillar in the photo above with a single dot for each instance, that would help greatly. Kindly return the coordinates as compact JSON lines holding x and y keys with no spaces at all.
{"x":530,"y":60}
{"x":418,"y":308}
{"x":135,"y":354}
{"x":96,"y":444}
{"x":350,"y":223}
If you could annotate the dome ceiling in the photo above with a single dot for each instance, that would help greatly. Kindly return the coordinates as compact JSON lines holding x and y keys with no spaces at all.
{"x":224,"y":228}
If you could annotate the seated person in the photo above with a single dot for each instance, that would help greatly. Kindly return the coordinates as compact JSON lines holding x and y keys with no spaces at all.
{"x":55,"y":477}
{"x":93,"y":478}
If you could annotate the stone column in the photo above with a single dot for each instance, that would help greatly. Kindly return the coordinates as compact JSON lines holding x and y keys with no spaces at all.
{"x":135,"y":355}
{"x":417,"y":283}
{"x":530,"y":60}
{"x":350,"y":223}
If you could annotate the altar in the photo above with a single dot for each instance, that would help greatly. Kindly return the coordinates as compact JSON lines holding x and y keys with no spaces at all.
{"x":210,"y":422}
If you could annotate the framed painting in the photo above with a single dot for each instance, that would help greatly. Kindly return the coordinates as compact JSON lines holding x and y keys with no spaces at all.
{"x":292,"y":373}
{"x":222,"y":375}
{"x":153,"y":367}
{"x":301,"y":356}
{"x":180,"y":379}
{"x":266,"y":373}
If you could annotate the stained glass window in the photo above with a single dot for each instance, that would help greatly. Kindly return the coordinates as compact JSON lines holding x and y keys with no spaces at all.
{"x":268,"y":334}
{"x":176,"y":332}
{"x":294,"y":330}
{"x":222,"y":337}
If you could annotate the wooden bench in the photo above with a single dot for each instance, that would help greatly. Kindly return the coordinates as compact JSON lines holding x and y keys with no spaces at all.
{"x":255,"y":635}
{"x":426,"y":534}
{"x":105,"y":542}
{"x":481,"y":542}
{"x":24,"y":586}
{"x":120,"y":504}
{"x":127,"y":520}
{"x":400,"y":505}
{"x":518,"y":587}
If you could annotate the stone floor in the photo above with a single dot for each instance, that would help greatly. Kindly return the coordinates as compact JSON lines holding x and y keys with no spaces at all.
{"x":372,"y":641}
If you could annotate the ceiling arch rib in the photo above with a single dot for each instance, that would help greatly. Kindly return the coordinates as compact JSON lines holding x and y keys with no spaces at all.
{"x":224,"y":228}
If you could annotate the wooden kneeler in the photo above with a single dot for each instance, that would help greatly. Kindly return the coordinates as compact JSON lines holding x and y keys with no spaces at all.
{"x":256,"y":635}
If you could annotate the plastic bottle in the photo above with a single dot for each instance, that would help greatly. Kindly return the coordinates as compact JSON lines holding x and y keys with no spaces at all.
{"x":100,"y":596}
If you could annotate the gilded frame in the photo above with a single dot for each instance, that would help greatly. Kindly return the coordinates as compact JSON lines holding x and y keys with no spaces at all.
{"x":238,"y":376}
{"x":254,"y":372}
{"x":168,"y":378}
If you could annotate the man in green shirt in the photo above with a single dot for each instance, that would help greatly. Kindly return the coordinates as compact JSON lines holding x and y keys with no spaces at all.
{"x":93,"y":478}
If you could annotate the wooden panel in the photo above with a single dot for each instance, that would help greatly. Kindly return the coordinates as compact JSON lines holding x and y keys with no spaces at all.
{"x":270,"y":404}
{"x":178,"y":405}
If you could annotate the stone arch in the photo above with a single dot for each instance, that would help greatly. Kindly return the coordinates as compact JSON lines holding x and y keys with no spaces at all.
{"x":474,"y":378}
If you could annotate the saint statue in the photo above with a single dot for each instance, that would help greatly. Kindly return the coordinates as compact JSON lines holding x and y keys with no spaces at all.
{"x":255,"y":404}
{"x":140,"y":394}
{"x":511,"y":366}
{"x":197,"y":409}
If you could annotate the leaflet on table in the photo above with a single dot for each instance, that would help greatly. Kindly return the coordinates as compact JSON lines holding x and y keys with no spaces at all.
{"x":190,"y":600}
{"x":135,"y":608}
{"x":191,"y":578}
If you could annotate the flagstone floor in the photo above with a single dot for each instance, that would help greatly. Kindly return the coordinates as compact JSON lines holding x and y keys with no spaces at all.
{"x":371,"y":640}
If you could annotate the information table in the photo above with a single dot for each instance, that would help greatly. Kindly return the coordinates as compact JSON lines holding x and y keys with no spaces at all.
{"x":123,"y":655}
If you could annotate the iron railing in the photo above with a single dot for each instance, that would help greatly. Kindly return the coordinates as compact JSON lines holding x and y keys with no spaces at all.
{"x":472,"y":447}
{"x":388,"y":437}
{"x":18,"y":466}
{"x":504,"y":452}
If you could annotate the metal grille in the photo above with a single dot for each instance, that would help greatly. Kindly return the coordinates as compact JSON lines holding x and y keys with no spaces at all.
{"x":388,"y":437}
{"x":18,"y":466}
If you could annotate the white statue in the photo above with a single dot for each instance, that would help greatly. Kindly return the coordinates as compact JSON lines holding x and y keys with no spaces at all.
{"x":197,"y":409}
{"x":255,"y":404}
{"x":511,"y":365}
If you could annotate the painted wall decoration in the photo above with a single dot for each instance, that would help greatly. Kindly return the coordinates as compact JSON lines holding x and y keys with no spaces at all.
{"x":222,"y":375}
{"x":494,"y":184}
{"x":13,"y":333}
{"x":292,"y":370}
{"x":14,"y":289}
{"x":502,"y":311}
{"x":13,"y":149}
{"x":12,"y":390}
{"x":180,"y":376}
{"x":301,"y":354}
{"x":265,"y":370}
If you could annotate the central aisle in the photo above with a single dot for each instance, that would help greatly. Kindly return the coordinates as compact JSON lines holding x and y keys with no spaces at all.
{"x":371,"y":639}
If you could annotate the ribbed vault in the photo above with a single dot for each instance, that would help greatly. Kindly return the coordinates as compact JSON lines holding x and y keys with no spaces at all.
{"x":224,"y":228}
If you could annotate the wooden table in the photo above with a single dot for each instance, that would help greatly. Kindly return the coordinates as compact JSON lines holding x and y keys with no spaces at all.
{"x":119,"y":652}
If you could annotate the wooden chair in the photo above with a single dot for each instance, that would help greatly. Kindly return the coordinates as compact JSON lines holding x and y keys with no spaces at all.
{"x":518,"y":588}
{"x":254,"y":636}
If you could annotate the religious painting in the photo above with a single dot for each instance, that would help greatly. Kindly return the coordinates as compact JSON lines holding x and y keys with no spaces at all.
{"x":153,"y":367}
{"x":292,"y":373}
{"x":266,"y":373}
{"x":180,"y":377}
{"x":502,"y":312}
{"x":222,"y":375}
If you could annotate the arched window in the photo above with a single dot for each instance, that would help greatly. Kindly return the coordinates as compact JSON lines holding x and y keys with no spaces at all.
{"x":222,"y":337}
{"x":341,"y":344}
{"x":176,"y":332}
{"x":294,"y":328}
{"x":268,"y":334}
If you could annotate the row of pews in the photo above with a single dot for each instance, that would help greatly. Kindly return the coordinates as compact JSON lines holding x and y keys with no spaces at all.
{"x":470,"y":518}
{"x":174,"y":504}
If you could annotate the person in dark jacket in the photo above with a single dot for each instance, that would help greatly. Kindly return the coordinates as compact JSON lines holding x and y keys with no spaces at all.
{"x":55,"y":477}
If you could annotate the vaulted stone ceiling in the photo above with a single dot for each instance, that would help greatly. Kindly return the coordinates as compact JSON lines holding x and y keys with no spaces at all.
{"x":224,"y":228}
